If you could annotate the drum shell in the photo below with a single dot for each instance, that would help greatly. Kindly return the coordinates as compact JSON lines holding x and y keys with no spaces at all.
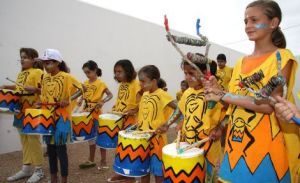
{"x":107,"y":133}
{"x":132,"y":156}
{"x":38,"y":121}
{"x":178,"y":168}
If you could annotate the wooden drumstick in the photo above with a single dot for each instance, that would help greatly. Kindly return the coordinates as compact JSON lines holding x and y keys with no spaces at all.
{"x":15,"y":82}
{"x":118,"y":113}
{"x":145,"y":131}
{"x":196,"y":144}
{"x":129,"y":129}
{"x":178,"y":141}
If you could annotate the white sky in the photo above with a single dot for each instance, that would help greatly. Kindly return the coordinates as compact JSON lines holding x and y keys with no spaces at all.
{"x":221,"y":20}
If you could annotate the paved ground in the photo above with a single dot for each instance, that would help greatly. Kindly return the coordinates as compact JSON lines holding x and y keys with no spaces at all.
{"x":12,"y":162}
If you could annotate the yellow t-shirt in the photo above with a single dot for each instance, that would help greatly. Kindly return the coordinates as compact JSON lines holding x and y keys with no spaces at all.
{"x":29,"y":77}
{"x":94,"y":92}
{"x":224,"y":76}
{"x":152,"y":109}
{"x":178,"y":95}
{"x":199,"y":121}
{"x":59,"y":87}
{"x":126,"y":98}
{"x":267,"y":131}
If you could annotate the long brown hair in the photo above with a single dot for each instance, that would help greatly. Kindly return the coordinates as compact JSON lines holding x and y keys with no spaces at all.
{"x":272,"y":10}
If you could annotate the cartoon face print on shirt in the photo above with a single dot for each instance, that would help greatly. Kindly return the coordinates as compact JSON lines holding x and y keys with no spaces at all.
{"x":149,"y":109}
{"x":90,"y":91}
{"x":123,"y":96}
{"x":54,"y":88}
{"x":194,"y":112}
{"x":22,"y":77}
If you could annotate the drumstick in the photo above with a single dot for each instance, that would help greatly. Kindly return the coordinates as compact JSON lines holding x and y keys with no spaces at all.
{"x":178,"y":141}
{"x":118,"y":113}
{"x":15,"y":82}
{"x":49,"y":103}
{"x":196,"y":144}
{"x":145,"y":131}
{"x":130,"y":128}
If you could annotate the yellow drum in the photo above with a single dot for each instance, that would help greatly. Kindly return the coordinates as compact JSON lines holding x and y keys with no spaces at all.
{"x":132,"y":156}
{"x":83,"y":127}
{"x":9,"y":100}
{"x":108,"y":128}
{"x":188,"y":166}
{"x":38,"y":121}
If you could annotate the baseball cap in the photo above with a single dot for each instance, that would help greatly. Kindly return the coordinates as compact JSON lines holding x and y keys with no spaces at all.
{"x":52,"y":54}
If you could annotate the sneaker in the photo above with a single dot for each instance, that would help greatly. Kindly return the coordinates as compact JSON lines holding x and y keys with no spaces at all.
{"x":36,"y":176}
{"x":19,"y":175}
{"x":87,"y":164}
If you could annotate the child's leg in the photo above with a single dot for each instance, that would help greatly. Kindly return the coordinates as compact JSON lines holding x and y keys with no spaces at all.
{"x":35,"y":153}
{"x":35,"y":150}
{"x":52,"y":157}
{"x":158,"y":179}
{"x":92,"y":144}
{"x":145,"y":179}
{"x":63,"y":159}
{"x":103,"y":156}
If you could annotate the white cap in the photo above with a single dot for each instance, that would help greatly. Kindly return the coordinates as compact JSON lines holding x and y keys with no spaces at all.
{"x":52,"y":54}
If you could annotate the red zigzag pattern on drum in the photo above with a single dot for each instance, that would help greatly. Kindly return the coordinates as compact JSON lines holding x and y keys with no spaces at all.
{"x":106,"y":129}
{"x":35,"y":121}
{"x":182,"y":176}
{"x":133,"y":154}
{"x":82,"y":126}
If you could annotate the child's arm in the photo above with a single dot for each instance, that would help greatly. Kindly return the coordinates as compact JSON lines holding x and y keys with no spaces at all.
{"x":108,"y":97}
{"x":172,"y":119}
{"x":10,"y":87}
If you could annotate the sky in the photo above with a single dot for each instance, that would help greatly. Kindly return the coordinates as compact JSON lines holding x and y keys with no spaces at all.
{"x":221,"y":20}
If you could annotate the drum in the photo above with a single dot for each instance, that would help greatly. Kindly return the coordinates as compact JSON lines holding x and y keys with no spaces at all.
{"x":132,"y":154}
{"x":107,"y":132}
{"x":38,"y":121}
{"x":188,"y":166}
{"x":83,"y":127}
{"x":8,"y":100}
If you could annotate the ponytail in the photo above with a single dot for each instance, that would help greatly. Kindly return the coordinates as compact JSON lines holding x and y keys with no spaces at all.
{"x":99,"y":72}
{"x":278,"y":38}
{"x":63,"y":67}
{"x":93,"y":66}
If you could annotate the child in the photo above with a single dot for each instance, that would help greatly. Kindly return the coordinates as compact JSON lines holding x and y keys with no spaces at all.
{"x":258,"y":146}
{"x":183,"y":86}
{"x":129,"y":87}
{"x":152,"y":108}
{"x":30,"y":78}
{"x":127,"y":99}
{"x":57,"y":87}
{"x":224,"y":72}
{"x":93,"y":94}
{"x":198,"y":120}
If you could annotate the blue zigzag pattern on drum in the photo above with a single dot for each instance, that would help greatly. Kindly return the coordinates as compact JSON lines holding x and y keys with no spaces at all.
{"x":241,"y":173}
{"x":128,"y":167}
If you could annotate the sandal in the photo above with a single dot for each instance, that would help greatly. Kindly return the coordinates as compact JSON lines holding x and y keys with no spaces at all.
{"x":88,"y":164}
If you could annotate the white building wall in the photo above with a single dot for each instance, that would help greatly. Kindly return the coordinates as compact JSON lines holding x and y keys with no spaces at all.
{"x":82,"y":32}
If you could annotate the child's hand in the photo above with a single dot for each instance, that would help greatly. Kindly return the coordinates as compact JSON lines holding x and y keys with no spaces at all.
{"x":31,"y":89}
{"x":216,"y":133}
{"x":285,"y":110}
{"x":131,"y":112}
{"x":162,"y":129}
{"x":64,"y":103}
{"x":38,"y":105}
{"x":179,"y":126}
{"x":100,"y":104}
